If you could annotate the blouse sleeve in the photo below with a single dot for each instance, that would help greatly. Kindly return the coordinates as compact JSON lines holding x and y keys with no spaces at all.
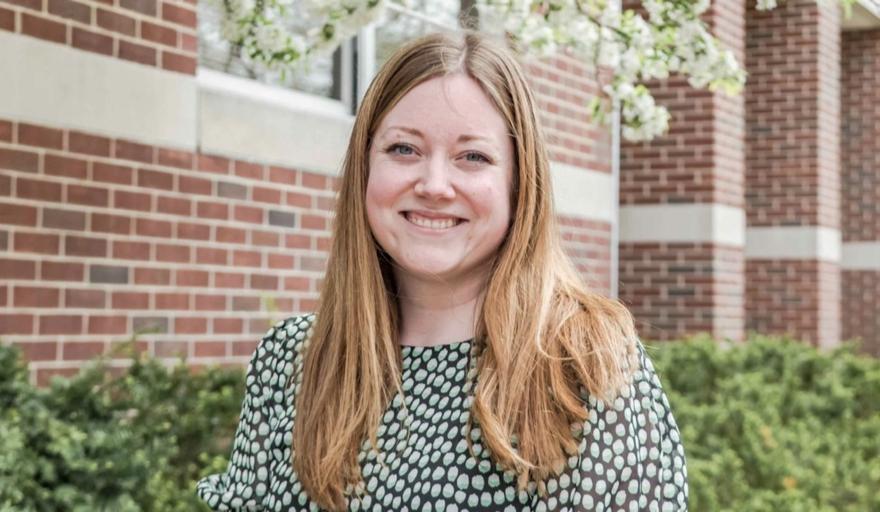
{"x":631,"y":456}
{"x":246,"y":480}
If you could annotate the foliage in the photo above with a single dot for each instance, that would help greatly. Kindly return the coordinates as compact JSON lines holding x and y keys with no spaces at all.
{"x":135,"y":442}
{"x":635,"y":45}
{"x":767,"y":425}
{"x":775,"y":424}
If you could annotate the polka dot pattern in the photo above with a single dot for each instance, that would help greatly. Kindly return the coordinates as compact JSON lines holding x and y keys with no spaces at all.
{"x":630,"y":456}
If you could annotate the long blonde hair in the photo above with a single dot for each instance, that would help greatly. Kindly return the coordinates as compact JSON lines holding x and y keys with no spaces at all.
{"x":542,"y":338}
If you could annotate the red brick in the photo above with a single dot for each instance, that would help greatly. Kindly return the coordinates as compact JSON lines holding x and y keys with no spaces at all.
{"x":179,"y":15}
{"x":240,"y":303}
{"x":155,"y":179}
{"x":175,"y":158}
{"x":189,"y":185}
{"x":228,"y":280}
{"x":211,"y":210}
{"x":147,"y":7}
{"x":43,"y":28}
{"x":82,"y":350}
{"x":264,"y":282}
{"x":71,"y":10}
{"x":211,"y":256}
{"x":189,"y":43}
{"x":108,"y":223}
{"x":33,"y":135}
{"x":38,"y":189}
{"x":35,"y":297}
{"x":210,"y":348}
{"x":155,"y":276}
{"x":296,"y":241}
{"x":18,"y":214}
{"x":64,"y":219}
{"x":215,"y":164}
{"x":7,"y":22}
{"x":250,"y":170}
{"x":191,"y":278}
{"x":210,"y":302}
{"x":88,"y":196}
{"x":314,"y":181}
{"x":247,"y":259}
{"x":92,"y":41}
{"x":266,"y":195}
{"x":36,"y":5}
{"x":129,"y":150}
{"x":108,"y":325}
{"x":85,"y":246}
{"x":56,"y":165}
{"x":172,"y":253}
{"x":230,"y":235}
{"x":17,"y":269}
{"x":296,"y":283}
{"x":130,"y":300}
{"x":85,"y":298}
{"x":190,"y":325}
{"x":19,"y":160}
{"x":283,"y":176}
{"x":80,"y":142}
{"x":112,"y":173}
{"x":281,"y":261}
{"x":36,"y":242}
{"x":191,"y":231}
{"x":16,"y":324}
{"x":150,"y":227}
{"x":175,"y":301}
{"x":131,"y":200}
{"x":174,"y":206}
{"x":159,"y":34}
{"x":179,"y":63}
{"x":115,"y":22}
{"x":248,"y":214}
{"x":228,"y":325}
{"x":130,"y":250}
{"x":298,"y":199}
{"x":60,"y":324}
{"x":61,"y":271}
{"x":38,"y":350}
{"x":264,"y":238}
{"x":175,"y":349}
{"x":137,"y":53}
{"x":313,"y":222}
{"x":6,"y":127}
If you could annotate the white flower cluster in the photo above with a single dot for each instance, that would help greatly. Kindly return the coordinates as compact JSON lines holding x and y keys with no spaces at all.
{"x":673,"y":39}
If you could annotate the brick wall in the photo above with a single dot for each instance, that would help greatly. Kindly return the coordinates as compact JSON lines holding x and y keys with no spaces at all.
{"x":150,"y":32}
{"x":103,"y":237}
{"x":793,"y":170}
{"x":677,"y":285}
{"x":860,"y":93}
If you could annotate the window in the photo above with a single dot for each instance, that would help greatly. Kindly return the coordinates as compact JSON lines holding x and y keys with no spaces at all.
{"x":344,"y":74}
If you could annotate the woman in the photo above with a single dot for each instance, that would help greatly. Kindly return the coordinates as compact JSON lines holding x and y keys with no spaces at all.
{"x":456,"y":361}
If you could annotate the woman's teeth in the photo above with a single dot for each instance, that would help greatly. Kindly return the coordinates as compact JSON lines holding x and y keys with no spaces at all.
{"x":425,"y":222}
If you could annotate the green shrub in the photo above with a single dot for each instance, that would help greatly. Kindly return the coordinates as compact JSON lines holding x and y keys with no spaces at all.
{"x":775,"y":425}
{"x":770,"y":425}
{"x":136,"y":442}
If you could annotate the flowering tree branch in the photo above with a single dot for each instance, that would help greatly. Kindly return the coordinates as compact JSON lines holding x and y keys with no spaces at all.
{"x":670,"y":38}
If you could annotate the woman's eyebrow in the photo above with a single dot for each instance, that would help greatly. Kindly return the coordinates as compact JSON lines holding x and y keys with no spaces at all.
{"x":413,"y":131}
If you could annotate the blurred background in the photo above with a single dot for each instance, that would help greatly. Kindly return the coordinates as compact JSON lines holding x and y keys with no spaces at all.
{"x":160,"y":198}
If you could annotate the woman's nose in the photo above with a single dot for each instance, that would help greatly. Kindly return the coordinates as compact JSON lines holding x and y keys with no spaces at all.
{"x":435,"y":182}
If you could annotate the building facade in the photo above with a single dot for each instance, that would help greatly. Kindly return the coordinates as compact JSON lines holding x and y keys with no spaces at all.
{"x":142,"y":191}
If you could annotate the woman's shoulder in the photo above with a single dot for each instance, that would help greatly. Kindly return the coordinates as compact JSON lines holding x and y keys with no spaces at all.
{"x":278,"y":355}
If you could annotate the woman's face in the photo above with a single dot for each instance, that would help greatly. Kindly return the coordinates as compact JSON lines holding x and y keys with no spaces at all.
{"x":439,"y":187}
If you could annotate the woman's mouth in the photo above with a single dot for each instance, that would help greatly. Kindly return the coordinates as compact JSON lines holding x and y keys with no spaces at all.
{"x":437,"y":222}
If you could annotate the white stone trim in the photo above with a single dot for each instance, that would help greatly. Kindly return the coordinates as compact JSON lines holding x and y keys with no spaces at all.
{"x":861,"y":256}
{"x":244,"y":119}
{"x":865,"y":15}
{"x":683,"y":223}
{"x":62,"y":87}
{"x":793,"y":242}
{"x":583,"y":193}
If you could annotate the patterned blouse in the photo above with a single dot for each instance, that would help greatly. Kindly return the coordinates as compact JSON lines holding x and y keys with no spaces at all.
{"x":630,"y":456}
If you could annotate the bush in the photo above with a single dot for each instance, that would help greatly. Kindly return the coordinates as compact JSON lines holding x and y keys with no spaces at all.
{"x":775,"y":424}
{"x":136,"y":442}
{"x":767,"y":425}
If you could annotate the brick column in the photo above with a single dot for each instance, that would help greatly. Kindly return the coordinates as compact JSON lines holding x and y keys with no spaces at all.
{"x":860,"y":210}
{"x":681,"y":196}
{"x":793,"y":171}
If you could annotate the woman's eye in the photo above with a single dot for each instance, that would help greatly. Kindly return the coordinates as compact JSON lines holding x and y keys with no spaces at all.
{"x":392,"y":149}
{"x":479,"y":157}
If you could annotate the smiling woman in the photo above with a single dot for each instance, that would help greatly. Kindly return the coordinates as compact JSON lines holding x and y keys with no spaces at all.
{"x":457,"y":361}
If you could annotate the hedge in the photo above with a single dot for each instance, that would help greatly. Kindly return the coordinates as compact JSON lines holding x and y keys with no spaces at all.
{"x":769,"y":425}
